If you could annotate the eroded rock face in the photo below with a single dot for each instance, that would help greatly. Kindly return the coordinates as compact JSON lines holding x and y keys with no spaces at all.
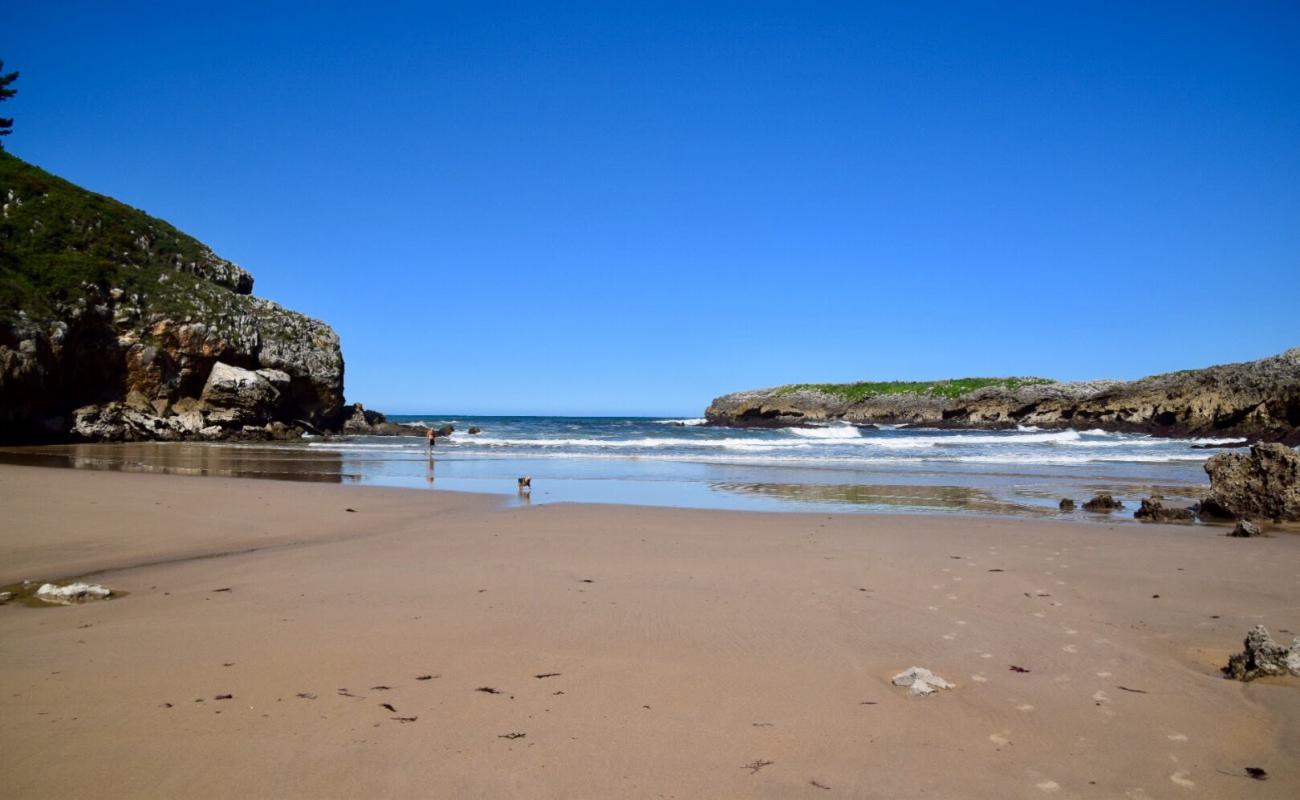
{"x":1262,"y":657}
{"x":1259,"y":400}
{"x":1264,"y":484}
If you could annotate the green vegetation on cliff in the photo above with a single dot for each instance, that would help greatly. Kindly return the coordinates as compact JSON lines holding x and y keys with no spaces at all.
{"x":56,"y":237}
{"x":854,"y":392}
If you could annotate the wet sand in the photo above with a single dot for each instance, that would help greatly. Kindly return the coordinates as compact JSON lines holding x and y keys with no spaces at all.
{"x":686,"y":653}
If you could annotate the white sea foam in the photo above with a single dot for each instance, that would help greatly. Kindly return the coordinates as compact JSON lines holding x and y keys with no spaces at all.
{"x":689,"y":423}
{"x":837,"y":432}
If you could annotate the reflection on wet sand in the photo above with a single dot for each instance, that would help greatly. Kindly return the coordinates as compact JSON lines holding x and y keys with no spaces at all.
{"x":178,"y":458}
{"x":953,"y":498}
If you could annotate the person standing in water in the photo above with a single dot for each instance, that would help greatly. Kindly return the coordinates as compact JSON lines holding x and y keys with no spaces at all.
{"x":429,"y":437}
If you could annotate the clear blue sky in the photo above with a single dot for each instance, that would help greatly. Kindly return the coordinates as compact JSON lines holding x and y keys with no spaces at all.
{"x":629,"y":208}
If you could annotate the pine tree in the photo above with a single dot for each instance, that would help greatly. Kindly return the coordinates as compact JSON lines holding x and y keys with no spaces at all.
{"x":6,"y":123}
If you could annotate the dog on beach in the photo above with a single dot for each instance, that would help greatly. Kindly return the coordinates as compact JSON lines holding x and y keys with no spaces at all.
{"x":526,"y":484}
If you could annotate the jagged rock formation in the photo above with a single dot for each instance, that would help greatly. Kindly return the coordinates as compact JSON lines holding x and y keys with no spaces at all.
{"x":359,"y":421}
{"x":1259,"y":400}
{"x":116,"y":326}
{"x":1264,"y":484}
{"x":1263,"y":656}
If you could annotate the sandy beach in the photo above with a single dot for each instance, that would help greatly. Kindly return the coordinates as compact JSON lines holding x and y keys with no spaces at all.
{"x":629,"y":652}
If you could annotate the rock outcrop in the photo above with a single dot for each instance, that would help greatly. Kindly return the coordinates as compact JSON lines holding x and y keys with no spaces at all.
{"x":1264,"y":484}
{"x":1102,"y":504}
{"x":1153,"y":509}
{"x":1263,"y":657}
{"x":359,"y":421}
{"x":116,"y":326}
{"x":1258,"y":400}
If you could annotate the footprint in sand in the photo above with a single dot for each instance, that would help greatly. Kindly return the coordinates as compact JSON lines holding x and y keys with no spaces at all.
{"x":961,"y":622}
{"x":986,"y":655}
{"x":1177,"y":737}
{"x":979,"y":679}
{"x":1069,"y":648}
{"x":952,"y":597}
{"x":950,"y":636}
{"x":1180,"y":778}
{"x":1070,"y":632}
{"x":1104,"y":674}
{"x":1000,"y":739}
{"x":1040,"y":615}
{"x":1100,"y":697}
{"x":1048,"y":786}
{"x":1025,"y":707}
{"x":933,"y":608}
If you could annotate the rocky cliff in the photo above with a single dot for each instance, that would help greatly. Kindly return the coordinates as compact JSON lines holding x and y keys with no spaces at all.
{"x":1258,"y":400}
{"x":115,"y":325}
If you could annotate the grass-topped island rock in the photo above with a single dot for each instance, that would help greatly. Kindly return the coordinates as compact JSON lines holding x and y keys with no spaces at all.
{"x":1256,"y":400}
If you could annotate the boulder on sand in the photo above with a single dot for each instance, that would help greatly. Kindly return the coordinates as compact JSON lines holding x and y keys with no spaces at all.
{"x":1102,"y":504}
{"x":1262,"y":485}
{"x":252,"y":395}
{"x":72,"y":593}
{"x":921,"y":680}
{"x":1245,"y":529}
{"x":1153,"y":510}
{"x":1066,"y":504}
{"x":1263,"y":656}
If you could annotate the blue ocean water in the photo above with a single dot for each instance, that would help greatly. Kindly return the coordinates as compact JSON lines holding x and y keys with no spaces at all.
{"x":682,"y":462}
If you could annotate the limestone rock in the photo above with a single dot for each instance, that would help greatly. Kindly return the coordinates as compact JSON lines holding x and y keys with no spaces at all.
{"x":1102,"y":504}
{"x":1262,"y":485}
{"x":240,"y":390}
{"x":72,"y":593}
{"x":1263,"y":656}
{"x":1153,"y":510}
{"x":921,"y":680}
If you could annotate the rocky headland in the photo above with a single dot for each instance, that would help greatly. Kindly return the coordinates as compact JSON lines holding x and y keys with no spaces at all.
{"x":115,"y":326}
{"x":1256,"y":400}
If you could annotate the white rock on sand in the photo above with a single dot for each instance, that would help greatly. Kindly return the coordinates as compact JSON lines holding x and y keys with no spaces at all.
{"x":72,"y":593}
{"x":922,"y":681}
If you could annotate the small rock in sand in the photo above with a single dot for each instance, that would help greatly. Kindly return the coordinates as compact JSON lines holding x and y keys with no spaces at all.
{"x":1263,"y":656}
{"x":72,"y":593}
{"x":922,"y":681}
{"x":1245,"y":528}
{"x":5,"y":597}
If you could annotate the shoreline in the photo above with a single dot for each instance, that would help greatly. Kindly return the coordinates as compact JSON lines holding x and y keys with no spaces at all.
{"x":720,"y":480}
{"x":686,"y":644}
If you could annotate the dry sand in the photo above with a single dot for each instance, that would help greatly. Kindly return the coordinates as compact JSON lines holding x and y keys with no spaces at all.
{"x":680,"y":646}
